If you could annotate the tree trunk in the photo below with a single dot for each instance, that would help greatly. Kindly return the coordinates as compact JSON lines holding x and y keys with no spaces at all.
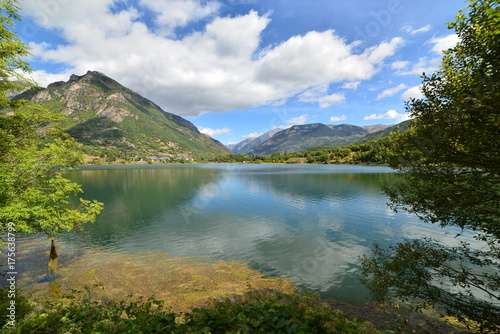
{"x":53,"y":259}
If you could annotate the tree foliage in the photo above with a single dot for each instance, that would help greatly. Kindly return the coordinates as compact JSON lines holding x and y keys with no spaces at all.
{"x":34,"y":152}
{"x":449,"y":162}
{"x":12,"y":52}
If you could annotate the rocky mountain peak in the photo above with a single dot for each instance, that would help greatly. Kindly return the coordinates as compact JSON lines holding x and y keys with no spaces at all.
{"x":105,"y":115}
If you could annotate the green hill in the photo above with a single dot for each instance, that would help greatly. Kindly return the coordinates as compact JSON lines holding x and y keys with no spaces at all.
{"x":110,"y":119}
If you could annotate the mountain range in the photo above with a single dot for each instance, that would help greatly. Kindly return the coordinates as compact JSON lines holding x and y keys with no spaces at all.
{"x":301,"y":137}
{"x":248,"y":144}
{"x":112,"y":120}
{"x":109,"y":118}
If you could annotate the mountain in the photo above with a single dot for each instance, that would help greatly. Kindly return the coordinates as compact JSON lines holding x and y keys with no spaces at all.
{"x":369,"y":128}
{"x":403,"y":126}
{"x":300,"y":137}
{"x":248,"y":144}
{"x":109,"y":118}
{"x":376,"y":128}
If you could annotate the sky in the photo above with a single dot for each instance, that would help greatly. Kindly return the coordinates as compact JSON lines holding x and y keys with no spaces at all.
{"x":239,"y":68}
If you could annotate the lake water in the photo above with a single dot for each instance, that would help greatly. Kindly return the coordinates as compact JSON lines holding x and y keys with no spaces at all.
{"x":308,"y":223}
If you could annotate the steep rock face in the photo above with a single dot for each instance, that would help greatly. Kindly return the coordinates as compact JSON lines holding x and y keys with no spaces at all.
{"x":104,"y":115}
{"x":300,"y":137}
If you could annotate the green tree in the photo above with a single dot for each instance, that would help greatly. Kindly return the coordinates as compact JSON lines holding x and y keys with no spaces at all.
{"x":449,"y":163}
{"x":11,"y":57}
{"x":34,"y":152}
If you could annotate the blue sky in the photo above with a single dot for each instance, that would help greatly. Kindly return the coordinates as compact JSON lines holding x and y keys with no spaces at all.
{"x":239,"y":68}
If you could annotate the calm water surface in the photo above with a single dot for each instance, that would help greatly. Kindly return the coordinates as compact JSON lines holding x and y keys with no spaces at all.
{"x":309,"y":223}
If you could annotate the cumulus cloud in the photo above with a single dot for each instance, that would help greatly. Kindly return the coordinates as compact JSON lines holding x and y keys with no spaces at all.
{"x":220,"y":66}
{"x":215,"y":132}
{"x":391,"y":91}
{"x":391,"y":114}
{"x":171,"y":14}
{"x":444,"y":43}
{"x":252,"y":135}
{"x":338,"y":118}
{"x":400,"y":65}
{"x":302,"y":119}
{"x":351,"y":85}
{"x":412,"y":31}
{"x":413,"y":92}
{"x":319,"y":95}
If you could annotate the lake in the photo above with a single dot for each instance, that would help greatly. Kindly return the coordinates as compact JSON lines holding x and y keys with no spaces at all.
{"x":308,"y":223}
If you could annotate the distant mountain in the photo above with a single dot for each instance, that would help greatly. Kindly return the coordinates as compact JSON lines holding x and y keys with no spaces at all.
{"x":300,"y":137}
{"x":376,"y":128}
{"x":403,"y":126}
{"x":108,"y":117}
{"x":248,"y":144}
{"x":369,"y":128}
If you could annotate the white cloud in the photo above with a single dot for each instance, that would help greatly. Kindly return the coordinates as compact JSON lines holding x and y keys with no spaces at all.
{"x":319,"y":95}
{"x":378,"y":53}
{"x":351,"y":85}
{"x":178,"y":13}
{"x":444,"y":43}
{"x":411,"y":31}
{"x":400,"y":65}
{"x":413,"y":92}
{"x":391,"y":91}
{"x":391,"y":114}
{"x":214,"y":132}
{"x":252,"y":135}
{"x":338,"y":119}
{"x":424,"y":65}
{"x":302,"y":119}
{"x":218,"y":67}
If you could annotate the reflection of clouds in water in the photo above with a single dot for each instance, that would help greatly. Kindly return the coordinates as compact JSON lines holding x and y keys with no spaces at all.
{"x":252,"y":187}
{"x":297,"y":202}
{"x":319,"y":260}
{"x":389,"y":212}
{"x":452,"y":236}
{"x":331,"y":223}
{"x":449,"y":236}
{"x":309,"y":227}
{"x":219,"y":236}
{"x":320,"y":264}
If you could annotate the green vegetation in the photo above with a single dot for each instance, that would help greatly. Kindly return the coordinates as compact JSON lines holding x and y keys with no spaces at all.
{"x":34,"y":153}
{"x":11,"y":57}
{"x":449,"y":162}
{"x":372,"y":152}
{"x":254,"y":312}
{"x":33,"y":194}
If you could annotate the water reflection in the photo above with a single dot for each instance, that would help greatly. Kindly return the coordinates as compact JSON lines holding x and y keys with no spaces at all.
{"x":308,"y":223}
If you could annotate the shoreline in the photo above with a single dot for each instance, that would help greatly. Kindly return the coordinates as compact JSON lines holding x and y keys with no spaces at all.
{"x":184,"y":283}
